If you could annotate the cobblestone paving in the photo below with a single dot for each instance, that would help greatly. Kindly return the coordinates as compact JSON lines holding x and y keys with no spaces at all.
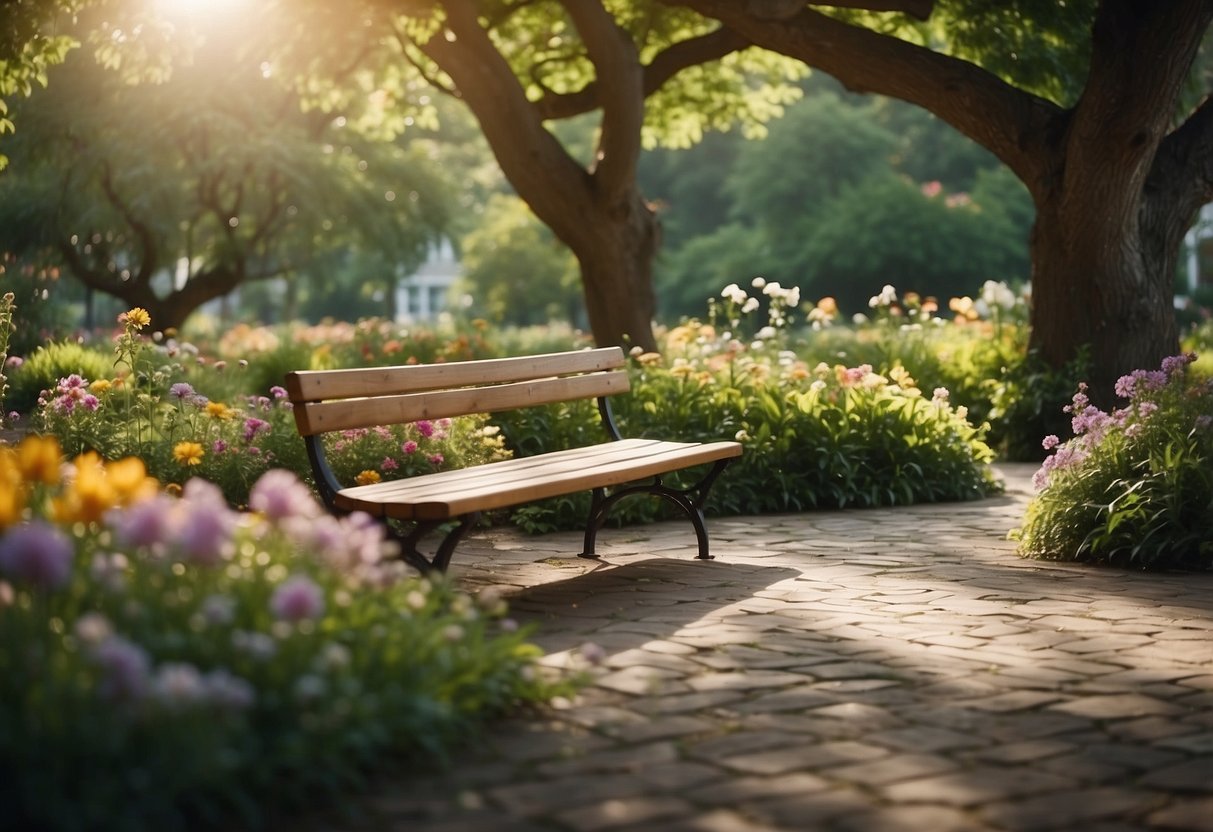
{"x":860,"y":671}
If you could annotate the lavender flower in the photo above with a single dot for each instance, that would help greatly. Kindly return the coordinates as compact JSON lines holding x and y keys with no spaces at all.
{"x":37,"y":553}
{"x":297,"y":599}
{"x":205,"y":522}
{"x":125,"y":669}
{"x":182,"y":391}
{"x":279,"y":495}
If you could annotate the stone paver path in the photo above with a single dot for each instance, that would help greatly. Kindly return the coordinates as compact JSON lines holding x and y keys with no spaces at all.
{"x":861,"y":671}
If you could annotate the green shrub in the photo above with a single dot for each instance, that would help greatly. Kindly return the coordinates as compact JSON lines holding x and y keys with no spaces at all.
{"x":45,"y":366}
{"x":168,"y":662}
{"x":1134,"y":487}
{"x":821,"y":436}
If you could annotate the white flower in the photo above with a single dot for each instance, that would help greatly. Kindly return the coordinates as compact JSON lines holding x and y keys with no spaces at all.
{"x":758,"y":282}
{"x":749,"y":306}
{"x":733,"y":293}
{"x":766,"y":333}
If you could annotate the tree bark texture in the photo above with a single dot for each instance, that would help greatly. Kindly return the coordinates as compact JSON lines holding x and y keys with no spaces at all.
{"x":597,"y":212}
{"x":1114,"y":191}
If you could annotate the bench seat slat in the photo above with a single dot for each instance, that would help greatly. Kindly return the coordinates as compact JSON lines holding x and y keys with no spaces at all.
{"x":448,"y":494}
{"x":321,"y":385}
{"x":322,"y":417}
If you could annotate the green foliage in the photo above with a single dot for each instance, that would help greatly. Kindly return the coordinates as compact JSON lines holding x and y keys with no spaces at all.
{"x":516,"y":271}
{"x":169,"y":664}
{"x":1134,"y":487}
{"x":43,"y":369}
{"x":814,"y":436}
{"x":888,"y":230}
{"x":842,"y":197}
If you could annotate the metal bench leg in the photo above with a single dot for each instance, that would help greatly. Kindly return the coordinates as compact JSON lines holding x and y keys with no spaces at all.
{"x":413,"y":556}
{"x":689,"y":500}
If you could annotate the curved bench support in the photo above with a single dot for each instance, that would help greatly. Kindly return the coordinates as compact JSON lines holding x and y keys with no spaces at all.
{"x":688,"y":500}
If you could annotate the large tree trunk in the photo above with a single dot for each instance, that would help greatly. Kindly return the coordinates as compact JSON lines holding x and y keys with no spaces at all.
{"x":617,"y":273}
{"x":1112,"y":296}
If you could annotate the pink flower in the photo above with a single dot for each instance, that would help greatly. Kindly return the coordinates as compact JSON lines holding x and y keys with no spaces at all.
{"x":425,"y":428}
{"x":297,"y":599}
{"x":279,"y":495}
{"x":435,"y":459}
{"x":1050,"y":442}
{"x":409,"y":447}
{"x":254,"y":426}
{"x":278,"y":392}
{"x":38,"y":554}
{"x":389,"y":464}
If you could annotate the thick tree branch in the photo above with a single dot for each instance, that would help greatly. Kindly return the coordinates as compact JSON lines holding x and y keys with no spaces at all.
{"x":1141,"y":55}
{"x":536,"y":164}
{"x":664,"y":66}
{"x":620,"y":79}
{"x":784,"y":9}
{"x":150,"y":261}
{"x":1009,"y":122}
{"x":1182,"y":173}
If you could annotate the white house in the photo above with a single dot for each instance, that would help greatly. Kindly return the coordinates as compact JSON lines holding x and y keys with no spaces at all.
{"x":423,"y":295}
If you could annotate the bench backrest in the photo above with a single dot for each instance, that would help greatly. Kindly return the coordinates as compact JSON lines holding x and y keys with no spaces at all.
{"x":328,"y":400}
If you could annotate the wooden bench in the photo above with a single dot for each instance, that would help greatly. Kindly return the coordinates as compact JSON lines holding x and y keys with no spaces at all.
{"x":334,"y":400}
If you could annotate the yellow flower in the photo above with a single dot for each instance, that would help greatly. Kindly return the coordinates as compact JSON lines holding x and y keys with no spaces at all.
{"x":187,"y":453}
{"x":136,"y":318}
{"x":130,"y":480}
{"x":367,"y":477}
{"x":38,"y":459}
{"x":100,"y":386}
{"x":218,"y":410}
{"x":88,"y":495}
{"x":12,"y":489}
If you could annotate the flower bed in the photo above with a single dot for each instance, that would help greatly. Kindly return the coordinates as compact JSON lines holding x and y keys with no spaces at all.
{"x":1134,"y":487}
{"x":167,"y":660}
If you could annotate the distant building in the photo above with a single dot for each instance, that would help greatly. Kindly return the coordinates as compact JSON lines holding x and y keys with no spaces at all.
{"x":425,"y":294}
{"x":1199,"y":246}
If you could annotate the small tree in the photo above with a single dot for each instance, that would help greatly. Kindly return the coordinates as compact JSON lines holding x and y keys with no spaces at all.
{"x":173,"y":194}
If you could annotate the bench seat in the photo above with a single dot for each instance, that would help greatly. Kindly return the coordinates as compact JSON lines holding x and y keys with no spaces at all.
{"x":449,"y":494}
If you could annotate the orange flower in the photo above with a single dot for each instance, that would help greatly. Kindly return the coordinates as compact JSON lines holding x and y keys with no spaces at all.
{"x":130,"y":480}
{"x":88,"y":495}
{"x":367,"y":477}
{"x":38,"y":459}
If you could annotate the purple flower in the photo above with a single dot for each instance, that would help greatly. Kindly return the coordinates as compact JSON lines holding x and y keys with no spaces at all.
{"x":90,"y":402}
{"x":144,"y":523}
{"x":278,"y":392}
{"x":38,"y":554}
{"x":297,"y":599}
{"x":14,"y":361}
{"x":227,"y":691}
{"x":179,"y":685}
{"x":182,"y":390}
{"x":425,"y":428}
{"x":125,"y":668}
{"x":254,"y":426}
{"x":1203,"y":421}
{"x":1174,"y":365}
{"x":218,"y":446}
{"x":205,"y":525}
{"x":279,"y":495}
{"x":1050,"y":442}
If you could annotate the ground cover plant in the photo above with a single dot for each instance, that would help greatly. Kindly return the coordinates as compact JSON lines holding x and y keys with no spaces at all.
{"x":1133,"y":487}
{"x":168,"y":662}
